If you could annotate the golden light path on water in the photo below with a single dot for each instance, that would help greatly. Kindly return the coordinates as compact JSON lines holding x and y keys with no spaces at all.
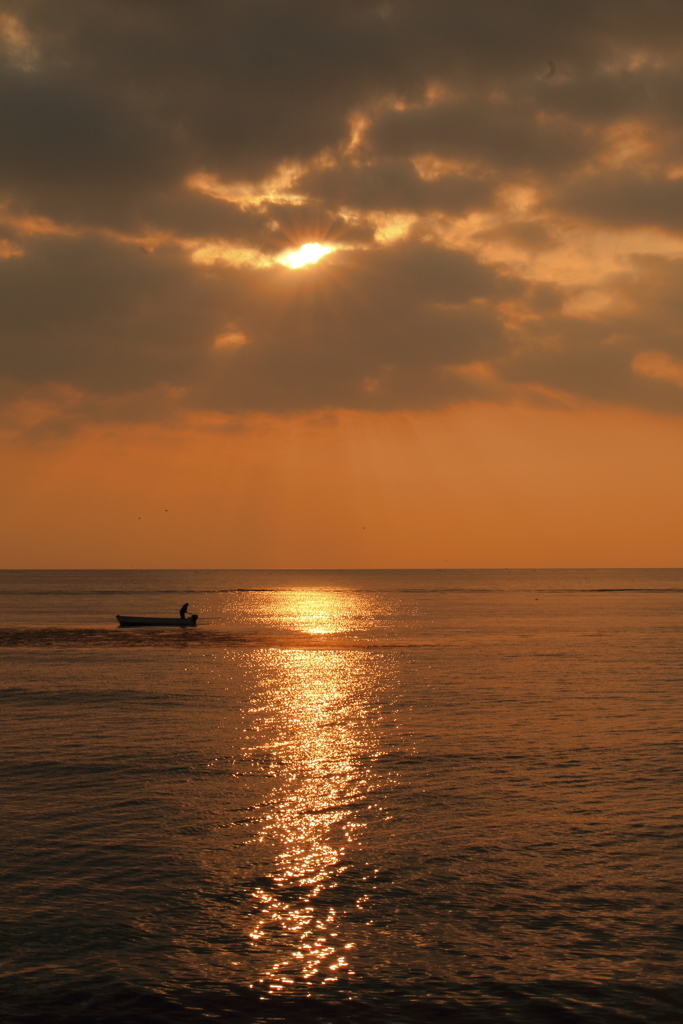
{"x":314,"y":710}
{"x":319,"y":611}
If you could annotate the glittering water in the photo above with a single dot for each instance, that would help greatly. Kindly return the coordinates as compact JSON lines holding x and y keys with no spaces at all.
{"x":357,"y":796}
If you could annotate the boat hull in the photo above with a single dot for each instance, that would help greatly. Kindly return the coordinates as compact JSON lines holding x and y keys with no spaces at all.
{"x":146,"y":620}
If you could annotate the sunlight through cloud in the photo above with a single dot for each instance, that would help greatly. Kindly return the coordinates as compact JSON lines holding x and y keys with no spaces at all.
{"x":309,"y":253}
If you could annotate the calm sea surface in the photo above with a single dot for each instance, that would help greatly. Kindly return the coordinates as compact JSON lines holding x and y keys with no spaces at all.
{"x":345,"y":796}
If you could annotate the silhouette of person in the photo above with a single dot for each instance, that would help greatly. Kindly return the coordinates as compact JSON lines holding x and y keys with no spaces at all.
{"x":183,"y":610}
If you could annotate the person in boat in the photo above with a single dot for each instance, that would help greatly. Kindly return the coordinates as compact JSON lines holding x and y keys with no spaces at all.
{"x":183,"y":610}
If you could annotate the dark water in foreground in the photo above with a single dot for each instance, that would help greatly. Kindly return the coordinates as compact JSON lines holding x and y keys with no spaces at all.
{"x":353,"y":796}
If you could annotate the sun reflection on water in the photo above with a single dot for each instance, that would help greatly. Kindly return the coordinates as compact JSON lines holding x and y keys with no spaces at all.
{"x":313,"y":716}
{"x":319,"y":611}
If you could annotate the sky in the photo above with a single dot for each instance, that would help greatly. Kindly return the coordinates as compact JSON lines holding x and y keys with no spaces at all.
{"x":354,"y":284}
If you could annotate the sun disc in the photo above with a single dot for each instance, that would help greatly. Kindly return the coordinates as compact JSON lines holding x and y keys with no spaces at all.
{"x":311,"y":252}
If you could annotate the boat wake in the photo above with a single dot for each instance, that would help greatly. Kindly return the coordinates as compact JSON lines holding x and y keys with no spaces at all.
{"x":53,"y":636}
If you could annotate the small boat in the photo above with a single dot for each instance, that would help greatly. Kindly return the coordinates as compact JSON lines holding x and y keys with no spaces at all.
{"x":146,"y":620}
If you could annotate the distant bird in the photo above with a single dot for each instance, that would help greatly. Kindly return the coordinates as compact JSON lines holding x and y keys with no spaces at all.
{"x":147,"y":251}
{"x":551,"y":69}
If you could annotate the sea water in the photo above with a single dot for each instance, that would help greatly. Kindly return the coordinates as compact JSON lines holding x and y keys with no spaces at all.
{"x":344,"y":796}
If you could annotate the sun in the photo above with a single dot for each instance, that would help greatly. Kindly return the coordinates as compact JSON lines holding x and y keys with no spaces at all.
{"x":309,"y":253}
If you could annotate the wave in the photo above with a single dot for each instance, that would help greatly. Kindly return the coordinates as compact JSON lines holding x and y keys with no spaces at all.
{"x":104,"y":998}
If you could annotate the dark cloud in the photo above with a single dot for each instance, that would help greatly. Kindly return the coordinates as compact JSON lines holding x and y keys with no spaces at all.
{"x":528,"y":234}
{"x":392,"y":185}
{"x":127,"y":95}
{"x":104,"y":316}
{"x":401,"y":314}
{"x":624,"y":199}
{"x":424,"y":138}
{"x":506,"y":135}
{"x":109,"y":318}
{"x":595,"y":358}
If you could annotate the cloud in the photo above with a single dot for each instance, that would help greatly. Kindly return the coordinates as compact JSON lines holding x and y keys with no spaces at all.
{"x":658,"y":366}
{"x":622,"y":199}
{"x":394,"y":184}
{"x":493,"y":232}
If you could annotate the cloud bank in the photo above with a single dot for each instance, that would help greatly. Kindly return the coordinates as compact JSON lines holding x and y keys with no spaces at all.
{"x":498,"y":184}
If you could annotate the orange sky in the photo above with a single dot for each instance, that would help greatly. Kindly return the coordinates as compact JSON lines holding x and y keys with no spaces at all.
{"x":478,"y":486}
{"x":345,"y":285}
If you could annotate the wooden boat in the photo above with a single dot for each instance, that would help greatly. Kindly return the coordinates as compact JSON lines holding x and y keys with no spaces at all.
{"x":146,"y":620}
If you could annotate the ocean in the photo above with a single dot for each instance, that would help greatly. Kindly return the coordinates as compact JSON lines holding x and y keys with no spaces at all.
{"x":345,"y":796}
